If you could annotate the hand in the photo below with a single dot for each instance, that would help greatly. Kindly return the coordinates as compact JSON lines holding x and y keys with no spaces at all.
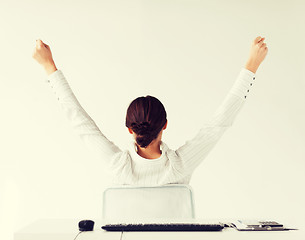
{"x":258,"y":53}
{"x":42,"y":54}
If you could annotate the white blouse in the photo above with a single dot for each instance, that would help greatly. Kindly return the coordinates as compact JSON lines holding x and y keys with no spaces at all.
{"x":173,"y":166}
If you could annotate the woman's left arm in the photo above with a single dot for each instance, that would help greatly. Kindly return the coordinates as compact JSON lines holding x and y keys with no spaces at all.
{"x":81,"y":122}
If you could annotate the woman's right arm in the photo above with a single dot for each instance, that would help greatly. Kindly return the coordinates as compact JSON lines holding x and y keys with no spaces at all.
{"x":81,"y":122}
{"x":194,"y":151}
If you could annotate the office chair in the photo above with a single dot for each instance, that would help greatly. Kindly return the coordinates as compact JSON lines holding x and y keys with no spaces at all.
{"x":173,"y":201}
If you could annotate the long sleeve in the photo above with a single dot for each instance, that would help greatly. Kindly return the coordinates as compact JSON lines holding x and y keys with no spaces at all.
{"x":81,"y":122}
{"x":193,"y":152}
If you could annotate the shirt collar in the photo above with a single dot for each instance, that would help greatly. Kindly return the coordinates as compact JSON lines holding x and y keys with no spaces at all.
{"x":136,"y":157}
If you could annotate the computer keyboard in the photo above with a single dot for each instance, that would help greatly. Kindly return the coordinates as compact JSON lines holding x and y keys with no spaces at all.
{"x":163,"y":227}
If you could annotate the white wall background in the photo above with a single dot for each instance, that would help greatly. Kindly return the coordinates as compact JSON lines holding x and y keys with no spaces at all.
{"x":188,"y":54}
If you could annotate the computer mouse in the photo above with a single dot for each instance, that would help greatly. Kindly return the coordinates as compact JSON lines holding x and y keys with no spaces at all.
{"x":86,"y":225}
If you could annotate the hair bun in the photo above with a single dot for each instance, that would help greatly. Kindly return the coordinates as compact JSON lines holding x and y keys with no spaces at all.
{"x":142,"y":128}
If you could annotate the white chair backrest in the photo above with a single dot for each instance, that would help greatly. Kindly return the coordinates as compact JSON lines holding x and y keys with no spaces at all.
{"x":173,"y":201}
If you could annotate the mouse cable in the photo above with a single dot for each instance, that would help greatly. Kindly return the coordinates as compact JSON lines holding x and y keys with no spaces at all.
{"x":77,"y":235}
{"x":81,"y":232}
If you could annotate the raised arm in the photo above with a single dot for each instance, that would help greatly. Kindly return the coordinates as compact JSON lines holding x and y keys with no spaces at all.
{"x":192,"y":153}
{"x":81,"y":122}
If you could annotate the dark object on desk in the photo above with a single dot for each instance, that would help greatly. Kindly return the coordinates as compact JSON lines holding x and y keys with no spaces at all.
{"x":86,"y":225}
{"x":181,"y":227}
{"x":270,"y":224}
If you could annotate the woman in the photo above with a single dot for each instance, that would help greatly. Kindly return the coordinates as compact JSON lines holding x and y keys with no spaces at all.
{"x":149,"y":161}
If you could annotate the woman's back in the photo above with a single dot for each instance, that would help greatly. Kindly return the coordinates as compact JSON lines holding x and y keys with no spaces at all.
{"x":172,"y":166}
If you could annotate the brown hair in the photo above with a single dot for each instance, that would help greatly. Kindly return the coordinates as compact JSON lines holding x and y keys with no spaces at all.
{"x":146,"y":116}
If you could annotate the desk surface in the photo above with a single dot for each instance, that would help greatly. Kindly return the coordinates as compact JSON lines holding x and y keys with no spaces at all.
{"x":226,"y":234}
{"x":62,"y":229}
{"x":65,"y":229}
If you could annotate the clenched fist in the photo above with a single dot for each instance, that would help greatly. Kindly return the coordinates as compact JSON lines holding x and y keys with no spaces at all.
{"x":42,"y":54}
{"x":258,"y":53}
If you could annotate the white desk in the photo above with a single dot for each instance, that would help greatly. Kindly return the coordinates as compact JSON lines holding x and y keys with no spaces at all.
{"x":226,"y":234}
{"x":62,"y":229}
{"x":59,"y":229}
